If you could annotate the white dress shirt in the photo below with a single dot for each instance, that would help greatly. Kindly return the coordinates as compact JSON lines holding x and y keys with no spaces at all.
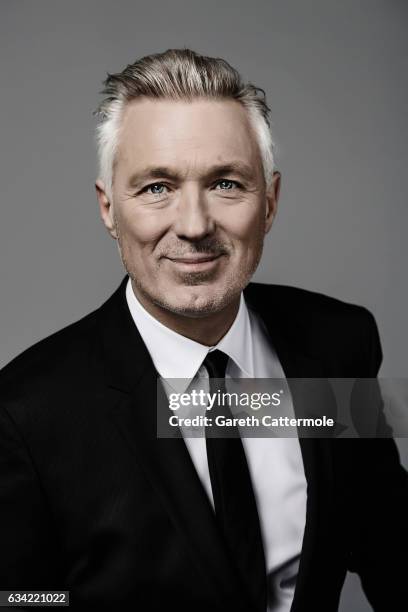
{"x":275,"y":464}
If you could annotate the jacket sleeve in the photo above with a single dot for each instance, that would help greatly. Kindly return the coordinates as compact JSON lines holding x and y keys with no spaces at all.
{"x":380,"y":552}
{"x":28,"y":557}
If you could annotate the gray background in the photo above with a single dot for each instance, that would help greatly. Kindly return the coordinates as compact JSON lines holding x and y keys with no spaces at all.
{"x":335,"y":77}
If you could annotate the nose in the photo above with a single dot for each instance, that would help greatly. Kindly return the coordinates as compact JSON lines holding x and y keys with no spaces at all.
{"x":193,"y":216}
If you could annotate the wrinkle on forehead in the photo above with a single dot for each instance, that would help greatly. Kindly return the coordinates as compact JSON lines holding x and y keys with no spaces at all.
{"x":189,"y":135}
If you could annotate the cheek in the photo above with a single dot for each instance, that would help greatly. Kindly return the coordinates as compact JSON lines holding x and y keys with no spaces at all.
{"x":141,"y":230}
{"x":244,"y":224}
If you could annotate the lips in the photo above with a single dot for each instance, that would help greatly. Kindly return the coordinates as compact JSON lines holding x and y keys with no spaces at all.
{"x":195,"y":263}
{"x":194,"y":259}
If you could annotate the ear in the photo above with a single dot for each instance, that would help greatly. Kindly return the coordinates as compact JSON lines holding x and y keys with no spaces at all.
{"x":105,"y":208}
{"x":272,"y":197}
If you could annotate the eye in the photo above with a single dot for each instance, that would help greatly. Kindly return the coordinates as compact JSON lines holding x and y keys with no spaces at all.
{"x":156,"y":189}
{"x":227,"y":185}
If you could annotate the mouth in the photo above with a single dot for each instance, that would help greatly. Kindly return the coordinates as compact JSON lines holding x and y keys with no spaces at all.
{"x":195,"y":263}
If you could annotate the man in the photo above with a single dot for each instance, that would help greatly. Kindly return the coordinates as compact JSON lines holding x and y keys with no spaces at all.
{"x":92,"y":500}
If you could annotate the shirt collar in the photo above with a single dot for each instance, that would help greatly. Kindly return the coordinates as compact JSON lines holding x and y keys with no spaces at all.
{"x":175,"y":356}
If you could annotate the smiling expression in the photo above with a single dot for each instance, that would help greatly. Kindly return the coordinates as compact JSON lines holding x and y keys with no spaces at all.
{"x":189,"y":205}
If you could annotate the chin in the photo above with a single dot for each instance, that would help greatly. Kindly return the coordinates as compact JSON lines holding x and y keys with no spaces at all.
{"x":195,"y":303}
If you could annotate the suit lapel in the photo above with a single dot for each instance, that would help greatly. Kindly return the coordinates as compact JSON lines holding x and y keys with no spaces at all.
{"x":317,"y":458}
{"x":166,"y":462}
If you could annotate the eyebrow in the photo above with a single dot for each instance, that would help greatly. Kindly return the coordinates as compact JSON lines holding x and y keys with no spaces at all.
{"x":235,"y":167}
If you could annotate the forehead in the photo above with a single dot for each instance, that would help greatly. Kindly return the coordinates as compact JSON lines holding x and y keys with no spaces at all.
{"x":163,"y":131}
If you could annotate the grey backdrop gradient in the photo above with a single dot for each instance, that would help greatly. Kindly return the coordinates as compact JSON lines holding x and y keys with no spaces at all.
{"x":335,"y":77}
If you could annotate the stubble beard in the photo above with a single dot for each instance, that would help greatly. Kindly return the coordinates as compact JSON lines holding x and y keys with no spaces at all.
{"x":203,"y":306}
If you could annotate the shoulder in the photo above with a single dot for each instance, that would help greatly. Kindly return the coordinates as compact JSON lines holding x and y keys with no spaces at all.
{"x":300,"y":304}
{"x":68,"y":357}
{"x":321,"y":323}
{"x":55,"y":361}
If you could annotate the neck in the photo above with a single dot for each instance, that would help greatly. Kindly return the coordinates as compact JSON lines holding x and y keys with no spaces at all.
{"x":206,"y":330}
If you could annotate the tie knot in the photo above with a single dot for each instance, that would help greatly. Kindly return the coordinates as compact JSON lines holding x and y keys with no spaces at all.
{"x":216,"y":363}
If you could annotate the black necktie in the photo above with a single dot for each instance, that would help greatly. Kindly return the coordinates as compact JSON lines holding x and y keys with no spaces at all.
{"x":234,"y":500}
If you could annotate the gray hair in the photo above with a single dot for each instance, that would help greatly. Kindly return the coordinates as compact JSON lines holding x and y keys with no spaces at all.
{"x":178,"y":74}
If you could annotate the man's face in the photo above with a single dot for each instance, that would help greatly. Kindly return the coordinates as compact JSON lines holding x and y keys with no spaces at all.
{"x":189,"y":207}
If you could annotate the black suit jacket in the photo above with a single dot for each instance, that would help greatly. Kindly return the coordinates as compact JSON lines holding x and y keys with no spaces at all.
{"x":92,"y":502}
